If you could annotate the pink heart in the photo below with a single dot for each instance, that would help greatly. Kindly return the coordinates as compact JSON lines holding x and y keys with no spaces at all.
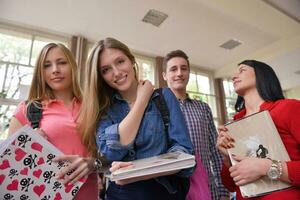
{"x":37,"y":173}
{"x":39,"y":189}
{"x":2,"y":177}
{"x":13,"y":186}
{"x":68,"y":188}
{"x":5,"y":164}
{"x":40,"y":161}
{"x":36,"y":146}
{"x":24,"y":171}
{"x":19,"y":154}
{"x":57,"y":196}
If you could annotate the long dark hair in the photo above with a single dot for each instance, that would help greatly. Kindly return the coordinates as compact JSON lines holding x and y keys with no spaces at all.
{"x":267,"y":83}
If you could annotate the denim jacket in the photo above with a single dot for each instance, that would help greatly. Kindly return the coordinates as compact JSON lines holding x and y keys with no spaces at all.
{"x":151,"y":137}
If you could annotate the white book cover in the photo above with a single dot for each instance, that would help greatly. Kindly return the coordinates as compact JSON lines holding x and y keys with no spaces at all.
{"x":27,"y":171}
{"x":257,"y":136}
{"x":153,"y":165}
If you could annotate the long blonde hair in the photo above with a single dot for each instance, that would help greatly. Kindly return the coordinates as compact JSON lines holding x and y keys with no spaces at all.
{"x":39,"y":90}
{"x":97,"y":94}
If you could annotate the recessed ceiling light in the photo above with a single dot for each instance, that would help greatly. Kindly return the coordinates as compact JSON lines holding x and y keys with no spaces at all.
{"x":230,"y":44}
{"x":155,"y":17}
{"x":297,"y":72}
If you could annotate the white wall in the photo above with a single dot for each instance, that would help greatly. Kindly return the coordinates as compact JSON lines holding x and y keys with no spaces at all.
{"x":293,"y":93}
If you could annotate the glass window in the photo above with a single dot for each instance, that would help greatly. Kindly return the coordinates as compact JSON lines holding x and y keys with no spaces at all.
{"x":6,"y":112}
{"x":15,"y":49}
{"x":211,"y":101}
{"x":200,"y":88}
{"x":12,"y":76}
{"x":146,"y":67}
{"x":230,"y":98}
{"x":192,"y":84}
{"x":203,"y":84}
{"x":228,"y":89}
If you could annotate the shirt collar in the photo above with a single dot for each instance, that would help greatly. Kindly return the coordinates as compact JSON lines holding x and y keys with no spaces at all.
{"x":187,"y":98}
{"x":266,"y":105}
{"x":50,"y":101}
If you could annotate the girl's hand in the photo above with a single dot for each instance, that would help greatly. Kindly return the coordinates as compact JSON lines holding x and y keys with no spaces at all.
{"x":249,"y":169}
{"x":118,"y":165}
{"x":78,"y":167}
{"x":224,"y":140}
{"x":144,"y":91}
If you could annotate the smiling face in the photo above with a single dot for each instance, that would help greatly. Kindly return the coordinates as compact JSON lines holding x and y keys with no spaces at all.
{"x":244,"y":79}
{"x":177,"y":73}
{"x":117,"y":70}
{"x":57,"y":71}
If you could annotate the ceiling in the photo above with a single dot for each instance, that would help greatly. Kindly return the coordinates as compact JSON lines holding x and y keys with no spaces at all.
{"x":198,"y":27}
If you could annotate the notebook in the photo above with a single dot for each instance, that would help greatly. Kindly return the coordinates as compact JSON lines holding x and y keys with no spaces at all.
{"x":154,"y":165}
{"x":257,"y":136}
{"x":27,"y":171}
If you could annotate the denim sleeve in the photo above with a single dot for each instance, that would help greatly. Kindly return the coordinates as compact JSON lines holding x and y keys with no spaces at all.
{"x":108,"y":141}
{"x":179,"y":138}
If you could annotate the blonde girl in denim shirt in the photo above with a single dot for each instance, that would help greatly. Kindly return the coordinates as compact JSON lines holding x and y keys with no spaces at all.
{"x":130,"y":125}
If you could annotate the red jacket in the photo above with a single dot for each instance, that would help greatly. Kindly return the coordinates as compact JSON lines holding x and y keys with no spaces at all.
{"x":286,"y":116}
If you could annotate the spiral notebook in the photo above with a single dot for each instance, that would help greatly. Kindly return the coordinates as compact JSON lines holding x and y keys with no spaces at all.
{"x":257,"y":136}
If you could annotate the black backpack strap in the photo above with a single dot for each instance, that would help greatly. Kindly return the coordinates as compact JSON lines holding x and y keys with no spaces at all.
{"x":181,"y":184}
{"x":34,"y":113}
{"x":161,"y":104}
{"x":163,"y":109}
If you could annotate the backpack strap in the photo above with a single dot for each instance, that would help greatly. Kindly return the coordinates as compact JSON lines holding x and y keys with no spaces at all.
{"x":161,"y":104}
{"x":34,"y":113}
{"x":163,"y":109}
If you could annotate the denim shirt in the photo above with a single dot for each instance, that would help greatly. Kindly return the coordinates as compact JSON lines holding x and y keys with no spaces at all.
{"x":151,"y":138}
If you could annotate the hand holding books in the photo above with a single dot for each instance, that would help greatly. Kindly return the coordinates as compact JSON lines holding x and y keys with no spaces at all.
{"x":30,"y":157}
{"x":248,"y":143}
{"x":79,"y":167}
{"x":250,"y":170}
{"x":224,"y":142}
{"x":128,"y":165}
{"x":143,"y":169}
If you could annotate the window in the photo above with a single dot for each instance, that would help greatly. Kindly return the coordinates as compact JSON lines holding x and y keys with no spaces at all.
{"x":18,"y":53}
{"x":200,"y":87}
{"x":146,"y":67}
{"x":230,"y":98}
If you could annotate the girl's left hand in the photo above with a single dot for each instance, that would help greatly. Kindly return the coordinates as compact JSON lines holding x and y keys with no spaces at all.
{"x":248,"y":169}
{"x":81,"y":166}
{"x":118,"y":165}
